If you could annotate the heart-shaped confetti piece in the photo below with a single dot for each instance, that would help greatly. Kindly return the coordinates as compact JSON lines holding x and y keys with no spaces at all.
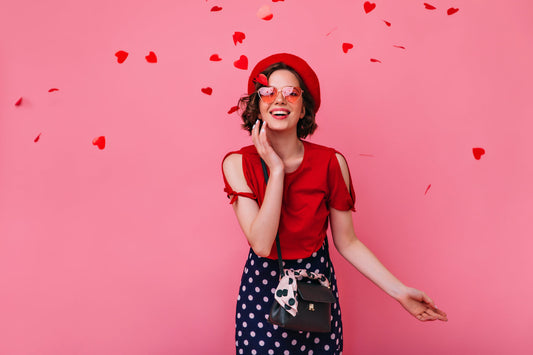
{"x":53,"y":89}
{"x":478,"y":152}
{"x":346,"y":47}
{"x":216,"y":8}
{"x":368,"y":6}
{"x":207,"y":90}
{"x":242,"y":63}
{"x":387,"y":23}
{"x":375,"y":60}
{"x":429,"y":7}
{"x":215,"y":58}
{"x":233,"y":109}
{"x":151,"y":57}
{"x":37,"y":138}
{"x":264,"y":13}
{"x":99,"y":141}
{"x":261,"y":79}
{"x":452,"y":11}
{"x":238,"y":37}
{"x":427,"y":189}
{"x":402,"y":47}
{"x":121,"y":56}
{"x":19,"y":101}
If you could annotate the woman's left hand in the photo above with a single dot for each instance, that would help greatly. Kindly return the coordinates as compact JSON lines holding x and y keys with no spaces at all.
{"x":421,"y":306}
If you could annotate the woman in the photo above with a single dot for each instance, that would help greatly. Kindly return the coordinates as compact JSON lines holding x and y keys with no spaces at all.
{"x":308,"y":184}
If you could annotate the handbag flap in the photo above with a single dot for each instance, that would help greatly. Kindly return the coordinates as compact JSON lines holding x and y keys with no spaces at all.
{"x":315,"y":293}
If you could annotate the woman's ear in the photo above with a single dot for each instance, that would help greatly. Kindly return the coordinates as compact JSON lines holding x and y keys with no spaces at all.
{"x":303,"y":112}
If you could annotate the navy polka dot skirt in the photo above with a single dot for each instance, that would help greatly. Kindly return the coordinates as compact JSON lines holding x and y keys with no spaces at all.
{"x":254,"y":334}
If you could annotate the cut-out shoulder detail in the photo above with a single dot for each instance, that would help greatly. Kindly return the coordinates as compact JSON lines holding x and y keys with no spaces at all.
{"x":234,"y":179}
{"x":344,"y":169}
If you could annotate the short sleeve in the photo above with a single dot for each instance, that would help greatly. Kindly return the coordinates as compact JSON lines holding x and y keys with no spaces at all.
{"x":232,"y":194}
{"x":339,"y":197}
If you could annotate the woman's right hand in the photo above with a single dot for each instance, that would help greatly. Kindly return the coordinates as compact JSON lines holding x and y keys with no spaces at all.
{"x":265,"y":150}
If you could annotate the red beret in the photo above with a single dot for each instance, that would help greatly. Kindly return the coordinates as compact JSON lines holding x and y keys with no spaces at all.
{"x":298,"y":64}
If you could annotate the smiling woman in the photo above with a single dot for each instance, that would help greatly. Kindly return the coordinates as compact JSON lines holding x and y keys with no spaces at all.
{"x":308,"y":185}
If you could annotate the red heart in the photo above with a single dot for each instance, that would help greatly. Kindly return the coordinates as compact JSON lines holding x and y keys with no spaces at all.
{"x":121,"y":56}
{"x":207,"y":90}
{"x":233,"y":109}
{"x":216,"y":8}
{"x":375,"y":60}
{"x":261,"y":79}
{"x":215,"y":58}
{"x":151,"y":58}
{"x":387,"y":23}
{"x":369,"y":6}
{"x":37,"y":138}
{"x":276,"y":0}
{"x":238,"y":37}
{"x":427,"y":189}
{"x":478,"y":152}
{"x":402,"y":47}
{"x":346,"y":47}
{"x":452,"y":11}
{"x":429,"y":7}
{"x":242,"y":63}
{"x":100,"y":142}
{"x":19,"y":101}
{"x":53,"y":89}
{"x":264,"y":13}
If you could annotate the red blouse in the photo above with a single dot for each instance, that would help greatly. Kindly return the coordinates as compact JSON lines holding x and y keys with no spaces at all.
{"x":308,"y":192}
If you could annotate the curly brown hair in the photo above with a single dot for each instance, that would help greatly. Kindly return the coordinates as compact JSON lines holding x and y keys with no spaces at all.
{"x":249,"y":104}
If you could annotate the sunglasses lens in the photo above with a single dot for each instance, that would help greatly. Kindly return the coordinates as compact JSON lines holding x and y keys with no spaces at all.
{"x":267,"y":94}
{"x":291,"y":93}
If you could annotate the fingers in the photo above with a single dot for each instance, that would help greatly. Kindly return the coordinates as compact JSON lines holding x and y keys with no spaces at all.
{"x":431,"y":315}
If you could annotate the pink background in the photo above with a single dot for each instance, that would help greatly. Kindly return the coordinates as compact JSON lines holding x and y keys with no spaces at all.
{"x":134,"y":249}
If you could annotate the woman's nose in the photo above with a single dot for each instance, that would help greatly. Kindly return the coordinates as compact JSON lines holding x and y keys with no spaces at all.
{"x":280,"y":97}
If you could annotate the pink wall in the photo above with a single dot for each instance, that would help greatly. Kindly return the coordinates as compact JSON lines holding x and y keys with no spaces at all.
{"x":134,"y":249}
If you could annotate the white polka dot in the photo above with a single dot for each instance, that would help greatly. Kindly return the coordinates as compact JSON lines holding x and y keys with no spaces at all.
{"x":261,"y":343}
{"x":275,"y":327}
{"x":258,"y":307}
{"x":252,"y":334}
{"x":265,"y":264}
{"x":246,"y":342}
{"x":322,"y":260}
{"x":265,"y":282}
{"x":257,"y":289}
{"x":286,"y":352}
{"x":308,"y":265}
{"x":237,"y":343}
{"x":244,"y":324}
{"x":250,"y":280}
{"x":332,"y":336}
{"x":273,"y":273}
{"x":239,"y":297}
{"x":310,"y":352}
{"x":265,"y":299}
{"x":245,"y":270}
{"x":251,"y":262}
{"x":254,"y":352}
{"x":284,"y":334}
{"x":239,"y":333}
{"x":238,"y":315}
{"x":251,"y":316}
{"x":269,"y":334}
{"x":334,"y":306}
{"x":266,"y":316}
{"x":294,"y":342}
{"x":317,"y":340}
{"x":302,"y":348}
{"x":270,"y":351}
{"x":241,"y":351}
{"x":243,"y":288}
{"x":243,"y":306}
{"x":336,"y":323}
{"x":272,"y":290}
{"x":326,"y":347}
{"x":337,"y":342}
{"x":307,"y":335}
{"x":250,"y":298}
{"x":314,"y":254}
{"x":277,"y":344}
{"x":260,"y":325}
{"x":257,"y":272}
{"x":299,"y":261}
{"x":317,"y":271}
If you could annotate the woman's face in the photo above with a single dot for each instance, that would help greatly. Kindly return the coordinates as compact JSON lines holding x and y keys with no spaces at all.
{"x":282,"y":115}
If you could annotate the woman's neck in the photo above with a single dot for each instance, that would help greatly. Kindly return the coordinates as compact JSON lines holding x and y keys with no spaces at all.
{"x":289,"y":148}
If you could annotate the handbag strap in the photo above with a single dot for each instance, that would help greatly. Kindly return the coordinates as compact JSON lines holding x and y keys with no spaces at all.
{"x":278,"y":245}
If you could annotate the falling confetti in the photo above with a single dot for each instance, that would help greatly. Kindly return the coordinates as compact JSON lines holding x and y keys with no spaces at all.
{"x":99,"y":141}
{"x":207,"y":90}
{"x":233,"y":109}
{"x":429,"y":7}
{"x":241,"y":63}
{"x":238,"y":37}
{"x":37,"y":138}
{"x":402,"y":47}
{"x":346,"y":47}
{"x":264,"y":13}
{"x":375,"y":60}
{"x":330,"y":32}
{"x":121,"y":56}
{"x":452,"y":11}
{"x":19,"y":101}
{"x":151,"y":57}
{"x":216,"y":8}
{"x":387,"y":23}
{"x":53,"y":89}
{"x":215,"y":58}
{"x":368,"y":6}
{"x":427,"y":189}
{"x":478,"y":152}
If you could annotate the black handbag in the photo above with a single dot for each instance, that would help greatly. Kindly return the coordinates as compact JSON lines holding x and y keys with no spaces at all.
{"x":314,"y":301}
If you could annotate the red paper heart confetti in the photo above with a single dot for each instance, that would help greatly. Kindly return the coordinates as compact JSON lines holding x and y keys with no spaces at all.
{"x":387,"y":23}
{"x":264,"y":13}
{"x":429,"y":7}
{"x":151,"y":58}
{"x":261,"y":79}
{"x":19,"y":101}
{"x":330,"y":32}
{"x":242,"y":63}
{"x":346,"y":47}
{"x":121,"y":56}
{"x":207,"y":90}
{"x":452,"y":11}
{"x":215,"y":58}
{"x":99,"y":141}
{"x":216,"y":8}
{"x":238,"y":37}
{"x":375,"y":60}
{"x":37,"y":138}
{"x":402,"y":47}
{"x":427,"y":189}
{"x":233,"y":109}
{"x":277,"y":0}
{"x":53,"y":89}
{"x":478,"y":152}
{"x":369,"y":6}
